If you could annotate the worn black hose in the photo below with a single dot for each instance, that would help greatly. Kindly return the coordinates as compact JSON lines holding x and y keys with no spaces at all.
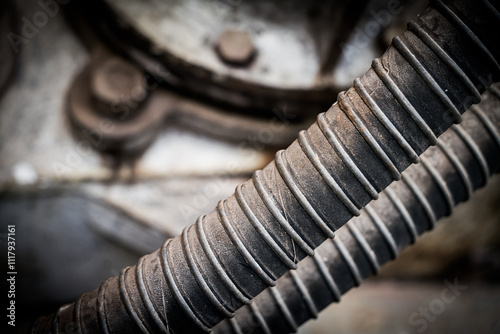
{"x":463,"y":160}
{"x":410,"y":96}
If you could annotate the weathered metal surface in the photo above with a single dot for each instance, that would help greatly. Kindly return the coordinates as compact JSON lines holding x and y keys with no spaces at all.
{"x":181,"y":37}
{"x":323,"y":45}
{"x":182,"y":30}
{"x":108,"y":114}
{"x":116,"y":85}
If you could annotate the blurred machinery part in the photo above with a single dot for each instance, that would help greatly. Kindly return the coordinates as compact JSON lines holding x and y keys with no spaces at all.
{"x":129,"y":106}
{"x":235,"y":47}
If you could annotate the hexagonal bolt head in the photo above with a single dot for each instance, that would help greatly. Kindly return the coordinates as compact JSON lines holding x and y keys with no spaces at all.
{"x":116,"y":83}
{"x":235,"y":47}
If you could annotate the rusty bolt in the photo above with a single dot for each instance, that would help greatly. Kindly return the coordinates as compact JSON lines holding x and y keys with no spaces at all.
{"x":117,"y":85}
{"x":235,"y":47}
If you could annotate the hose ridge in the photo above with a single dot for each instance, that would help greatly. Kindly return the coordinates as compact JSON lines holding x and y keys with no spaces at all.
{"x":199,"y":277}
{"x":403,"y":211}
{"x":466,"y":138}
{"x":55,"y":321}
{"x":235,"y":326}
{"x":127,"y":302}
{"x":284,"y":308}
{"x":347,"y":108}
{"x":487,"y":123}
{"x":337,"y":146}
{"x":382,"y":117}
{"x":348,"y":260}
{"x":365,"y":247}
{"x":101,"y":308}
{"x":260,"y":318}
{"x":281,"y":165}
{"x":403,"y":101}
{"x":311,"y":306}
{"x":77,"y":312}
{"x":415,"y":28}
{"x":334,"y":289}
{"x":495,"y":90}
{"x":249,"y":258}
{"x":277,"y":249}
{"x":216,"y":264}
{"x":384,"y":231}
{"x":422,"y":200}
{"x":427,"y":77}
{"x":492,"y":8}
{"x":160,"y":326}
{"x":270,"y":204}
{"x":454,"y":18}
{"x":305,"y":145}
{"x":442,"y":185}
{"x":457,"y":164}
{"x":175,"y":289}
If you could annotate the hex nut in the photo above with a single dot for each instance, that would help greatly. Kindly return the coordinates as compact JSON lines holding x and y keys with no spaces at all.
{"x":116,"y":83}
{"x":235,"y":47}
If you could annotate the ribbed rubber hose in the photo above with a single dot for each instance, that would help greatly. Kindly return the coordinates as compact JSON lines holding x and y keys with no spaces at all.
{"x":463,"y":160}
{"x":410,"y":96}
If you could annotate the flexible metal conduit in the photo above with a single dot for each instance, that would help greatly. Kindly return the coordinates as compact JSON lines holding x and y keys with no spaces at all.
{"x":411,"y":95}
{"x":463,"y":160}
